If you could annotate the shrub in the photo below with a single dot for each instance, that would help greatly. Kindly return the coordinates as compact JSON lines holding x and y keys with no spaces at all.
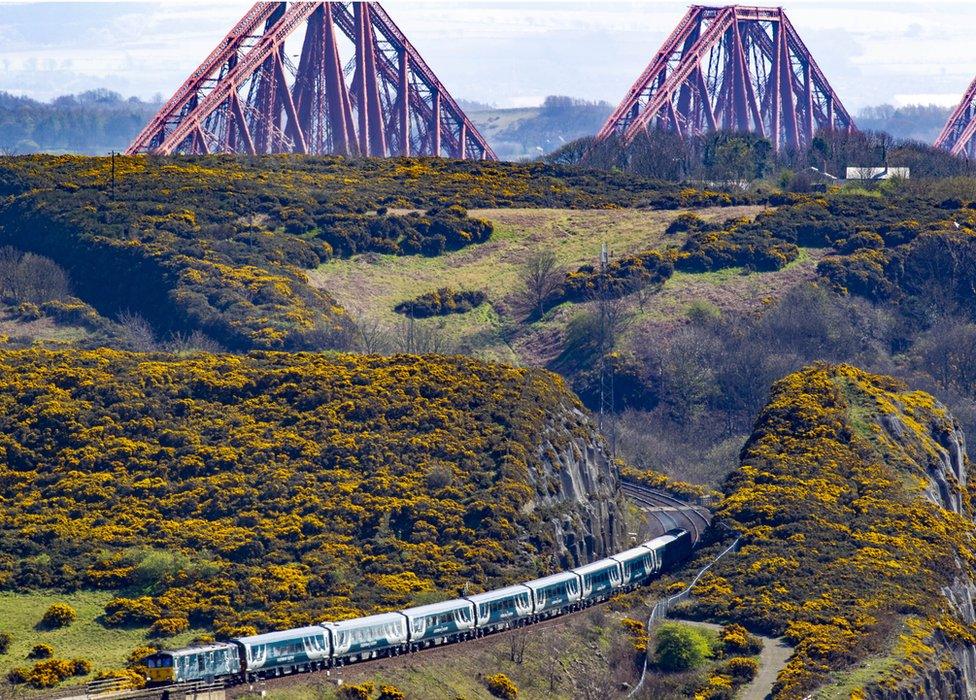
{"x":363,"y":691}
{"x":59,"y":615}
{"x":391,"y":692}
{"x":737,"y":640}
{"x":169,"y":626}
{"x":80,"y":667}
{"x":5,"y":640}
{"x":41,"y":651}
{"x":443,"y":302}
{"x":18,"y":675}
{"x":742,"y":669}
{"x":638,"y":634}
{"x":47,"y":674}
{"x":622,"y":277}
{"x":680,"y":647}
{"x":501,"y":686}
{"x":718,"y":687}
{"x":131,"y":611}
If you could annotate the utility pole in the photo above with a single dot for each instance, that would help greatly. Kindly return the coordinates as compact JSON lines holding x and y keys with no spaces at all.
{"x":608,"y":416}
{"x":113,"y":176}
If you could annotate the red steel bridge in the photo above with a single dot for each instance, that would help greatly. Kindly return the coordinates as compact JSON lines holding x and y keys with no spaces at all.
{"x":733,"y":68}
{"x":316,"y":78}
{"x":959,"y":134}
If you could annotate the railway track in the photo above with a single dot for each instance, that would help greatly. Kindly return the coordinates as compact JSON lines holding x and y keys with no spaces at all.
{"x":668,"y":511}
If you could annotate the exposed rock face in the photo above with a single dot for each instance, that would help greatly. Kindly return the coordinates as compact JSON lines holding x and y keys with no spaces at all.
{"x":579,"y":487}
{"x":947,"y":482}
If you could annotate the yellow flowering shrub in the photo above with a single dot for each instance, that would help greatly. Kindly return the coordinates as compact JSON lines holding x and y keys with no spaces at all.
{"x":501,"y":686}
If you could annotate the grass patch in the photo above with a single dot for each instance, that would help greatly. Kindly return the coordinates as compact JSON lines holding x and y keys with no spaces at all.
{"x":370,"y":285}
{"x":85,"y":638}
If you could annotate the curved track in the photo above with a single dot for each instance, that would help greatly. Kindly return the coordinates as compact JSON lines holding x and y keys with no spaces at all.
{"x":669,"y":512}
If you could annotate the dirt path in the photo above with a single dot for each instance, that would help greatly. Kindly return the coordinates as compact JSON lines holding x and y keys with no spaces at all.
{"x":775,"y":654}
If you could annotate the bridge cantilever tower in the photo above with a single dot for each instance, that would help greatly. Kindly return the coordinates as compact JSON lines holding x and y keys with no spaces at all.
{"x":731,"y":68}
{"x":316,"y":78}
{"x":959,"y":134}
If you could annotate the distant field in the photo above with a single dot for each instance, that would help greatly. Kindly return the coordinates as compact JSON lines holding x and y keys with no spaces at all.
{"x":370,"y":285}
{"x":86,"y":638}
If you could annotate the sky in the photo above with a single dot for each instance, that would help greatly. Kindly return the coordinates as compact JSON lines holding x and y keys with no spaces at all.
{"x":507,"y":53}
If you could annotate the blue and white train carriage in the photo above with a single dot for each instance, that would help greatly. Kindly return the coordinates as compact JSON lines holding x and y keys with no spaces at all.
{"x":337,"y":643}
{"x":448,"y":621}
{"x":502,"y":608}
{"x":555,"y":593}
{"x":599,"y":580}
{"x":305,"y":648}
{"x":367,"y":637}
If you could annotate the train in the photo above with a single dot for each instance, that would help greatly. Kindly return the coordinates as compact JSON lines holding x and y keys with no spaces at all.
{"x":333,"y":644}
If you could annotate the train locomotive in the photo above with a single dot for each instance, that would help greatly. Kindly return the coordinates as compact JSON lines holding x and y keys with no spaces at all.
{"x":332,"y":644}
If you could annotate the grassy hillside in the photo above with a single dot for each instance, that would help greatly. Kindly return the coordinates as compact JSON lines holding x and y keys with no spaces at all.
{"x":370,"y":286}
{"x":272,"y":490}
{"x":86,"y":638}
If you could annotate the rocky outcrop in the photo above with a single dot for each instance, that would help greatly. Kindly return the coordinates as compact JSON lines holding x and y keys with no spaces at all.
{"x":577,"y":487}
{"x":955,"y":676}
{"x":855,"y":510}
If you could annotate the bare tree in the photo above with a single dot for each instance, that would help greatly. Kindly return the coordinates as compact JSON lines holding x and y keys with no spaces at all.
{"x":518,"y":640}
{"x":196,"y":341}
{"x":27,"y":277}
{"x":542,"y":277}
{"x":372,"y":335}
{"x":421,"y":338}
{"x":137,"y":332}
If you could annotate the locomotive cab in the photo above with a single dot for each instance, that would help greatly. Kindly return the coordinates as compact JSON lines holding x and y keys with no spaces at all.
{"x":160,"y":667}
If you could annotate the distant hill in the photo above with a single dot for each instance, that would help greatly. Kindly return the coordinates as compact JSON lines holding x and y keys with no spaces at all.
{"x":99,"y":121}
{"x":535,"y":131}
{"x":915,"y":122}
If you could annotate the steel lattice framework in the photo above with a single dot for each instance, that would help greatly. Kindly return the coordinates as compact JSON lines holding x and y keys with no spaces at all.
{"x":278,"y":83}
{"x":958,"y":134}
{"x":732,"y":68}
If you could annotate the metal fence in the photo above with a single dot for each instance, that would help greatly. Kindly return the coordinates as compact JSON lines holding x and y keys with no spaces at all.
{"x":663,"y":607}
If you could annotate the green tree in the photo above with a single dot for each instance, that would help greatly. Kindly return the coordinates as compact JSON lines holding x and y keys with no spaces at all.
{"x":680,"y":647}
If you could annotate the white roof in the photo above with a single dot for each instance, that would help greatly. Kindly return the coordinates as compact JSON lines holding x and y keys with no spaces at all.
{"x":631,"y":553}
{"x":551,"y":580}
{"x":496,"y":594}
{"x":196,"y":650}
{"x":435,"y":608}
{"x":381,"y":619}
{"x":659,"y":541}
{"x":282,"y":635}
{"x":594,"y":566}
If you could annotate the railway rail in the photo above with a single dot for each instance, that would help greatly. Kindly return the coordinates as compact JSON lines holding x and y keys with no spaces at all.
{"x":668,"y":511}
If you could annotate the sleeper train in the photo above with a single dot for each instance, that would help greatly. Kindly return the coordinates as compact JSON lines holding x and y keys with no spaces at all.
{"x":337,"y":643}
